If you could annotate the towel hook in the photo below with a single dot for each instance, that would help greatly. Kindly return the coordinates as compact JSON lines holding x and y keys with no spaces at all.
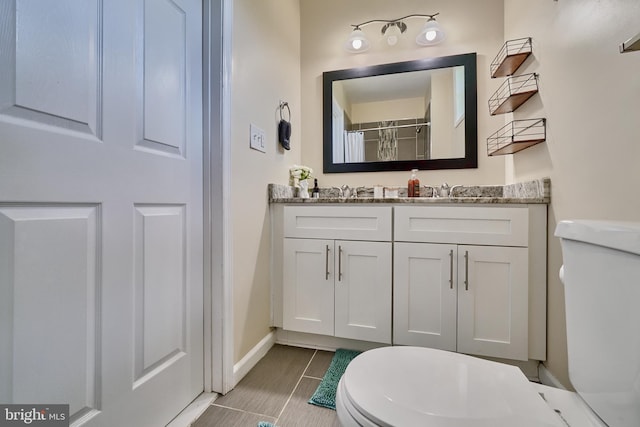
{"x":284,"y":104}
{"x":284,"y":127}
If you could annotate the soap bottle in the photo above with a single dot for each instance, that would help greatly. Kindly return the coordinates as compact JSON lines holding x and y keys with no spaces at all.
{"x":413,"y":189}
{"x":315,"y":193}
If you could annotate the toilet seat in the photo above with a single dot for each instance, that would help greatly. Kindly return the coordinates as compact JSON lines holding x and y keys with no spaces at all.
{"x":415,"y":386}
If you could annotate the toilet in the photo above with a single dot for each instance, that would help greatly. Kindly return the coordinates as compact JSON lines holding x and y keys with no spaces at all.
{"x":415,"y":386}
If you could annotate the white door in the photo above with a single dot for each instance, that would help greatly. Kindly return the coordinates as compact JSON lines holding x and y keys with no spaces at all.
{"x":493,"y":301}
{"x":363,"y":290}
{"x":425,"y":295}
{"x":101,"y":207}
{"x":308,"y":286}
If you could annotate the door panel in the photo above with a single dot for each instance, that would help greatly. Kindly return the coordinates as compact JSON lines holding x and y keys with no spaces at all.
{"x":308,"y":290}
{"x":52,"y":63}
{"x":425,"y":295}
{"x":493,"y":303}
{"x":160,"y":306}
{"x":101,"y":207}
{"x":363,"y":290}
{"x":165,"y":86}
{"x":49,"y":288}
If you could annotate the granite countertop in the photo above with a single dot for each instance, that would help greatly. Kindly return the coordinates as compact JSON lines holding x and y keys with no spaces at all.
{"x":530,"y":192}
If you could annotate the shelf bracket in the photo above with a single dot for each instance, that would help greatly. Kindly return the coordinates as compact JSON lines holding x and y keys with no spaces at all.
{"x":631,"y":45}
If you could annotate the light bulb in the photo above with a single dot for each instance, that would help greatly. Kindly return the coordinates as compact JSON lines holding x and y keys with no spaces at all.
{"x":431,"y":33}
{"x":392,"y":32}
{"x":357,"y":42}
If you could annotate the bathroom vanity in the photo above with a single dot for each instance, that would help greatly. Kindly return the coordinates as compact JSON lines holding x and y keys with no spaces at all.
{"x":464,"y":274}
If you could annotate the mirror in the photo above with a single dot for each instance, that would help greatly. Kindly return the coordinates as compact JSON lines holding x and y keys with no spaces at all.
{"x":418,"y":114}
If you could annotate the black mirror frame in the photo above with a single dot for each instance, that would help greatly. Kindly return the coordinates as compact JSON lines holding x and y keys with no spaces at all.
{"x":471,"y":114}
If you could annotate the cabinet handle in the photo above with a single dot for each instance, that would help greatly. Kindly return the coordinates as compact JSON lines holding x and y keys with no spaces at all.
{"x":451,"y":269}
{"x":339,"y":263}
{"x":466,"y":270}
{"x":326,"y":264}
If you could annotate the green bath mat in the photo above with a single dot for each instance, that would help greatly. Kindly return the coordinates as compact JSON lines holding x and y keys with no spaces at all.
{"x":325,"y":394}
{"x":265,"y":424}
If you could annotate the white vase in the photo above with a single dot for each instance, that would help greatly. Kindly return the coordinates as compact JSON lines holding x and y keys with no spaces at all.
{"x":303,"y":190}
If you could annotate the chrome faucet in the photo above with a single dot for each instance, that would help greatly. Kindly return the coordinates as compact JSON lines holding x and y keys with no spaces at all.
{"x":453,"y":188}
{"x":446,"y":190}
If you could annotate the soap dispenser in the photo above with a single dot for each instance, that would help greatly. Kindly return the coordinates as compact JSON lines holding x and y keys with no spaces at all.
{"x":413,"y":187}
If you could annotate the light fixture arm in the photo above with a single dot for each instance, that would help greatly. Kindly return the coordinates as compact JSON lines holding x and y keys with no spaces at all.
{"x":389,"y":21}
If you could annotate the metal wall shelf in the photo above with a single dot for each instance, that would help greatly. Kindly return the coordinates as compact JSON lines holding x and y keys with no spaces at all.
{"x":516,"y":136}
{"x":514,"y":92}
{"x":631,"y":45}
{"x":511,"y":57}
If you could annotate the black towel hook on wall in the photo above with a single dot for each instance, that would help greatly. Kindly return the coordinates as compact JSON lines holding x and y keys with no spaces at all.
{"x":284,"y":127}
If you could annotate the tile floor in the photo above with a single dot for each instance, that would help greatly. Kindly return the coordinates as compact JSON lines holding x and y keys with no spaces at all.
{"x":275,"y":390}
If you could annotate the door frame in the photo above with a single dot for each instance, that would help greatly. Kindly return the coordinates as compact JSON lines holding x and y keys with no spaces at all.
{"x":217,"y":28}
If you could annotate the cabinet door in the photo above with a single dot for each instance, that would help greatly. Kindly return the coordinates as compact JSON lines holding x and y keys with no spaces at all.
{"x":363,"y":291}
{"x":308,"y":289}
{"x":424,"y":296}
{"x":493,"y":301}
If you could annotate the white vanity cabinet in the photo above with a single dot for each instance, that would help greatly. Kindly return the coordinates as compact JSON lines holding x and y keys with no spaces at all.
{"x":462,"y":277}
{"x":471,"y":279}
{"x":336,"y":277}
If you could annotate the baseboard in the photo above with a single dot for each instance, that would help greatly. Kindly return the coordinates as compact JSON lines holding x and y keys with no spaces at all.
{"x":547,"y":378}
{"x":530,"y":368}
{"x":254,"y":355}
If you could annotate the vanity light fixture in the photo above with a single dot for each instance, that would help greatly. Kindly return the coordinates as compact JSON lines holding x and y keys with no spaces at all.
{"x":392,"y":29}
{"x":357,"y":41}
{"x":431,"y":33}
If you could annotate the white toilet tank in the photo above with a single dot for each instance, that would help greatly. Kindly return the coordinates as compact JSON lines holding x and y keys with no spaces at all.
{"x":602,"y":297}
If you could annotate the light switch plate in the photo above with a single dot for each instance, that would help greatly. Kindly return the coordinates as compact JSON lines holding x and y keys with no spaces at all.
{"x":257,"y":139}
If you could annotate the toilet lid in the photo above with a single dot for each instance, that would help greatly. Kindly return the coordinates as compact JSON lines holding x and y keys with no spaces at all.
{"x":415,"y":386}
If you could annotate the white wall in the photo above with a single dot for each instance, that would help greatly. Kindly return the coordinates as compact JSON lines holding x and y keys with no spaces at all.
{"x":265,"y":69}
{"x":472,"y":26}
{"x":590,"y":95}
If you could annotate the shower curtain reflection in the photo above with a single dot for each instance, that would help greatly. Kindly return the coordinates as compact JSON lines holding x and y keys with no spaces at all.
{"x":353,"y":147}
{"x":388,"y":141}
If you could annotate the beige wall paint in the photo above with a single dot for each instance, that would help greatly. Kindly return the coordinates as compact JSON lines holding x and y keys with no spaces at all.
{"x":265,"y":69}
{"x":590,"y":95}
{"x":442,"y":114}
{"x":397,"y":109}
{"x":472,"y":26}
